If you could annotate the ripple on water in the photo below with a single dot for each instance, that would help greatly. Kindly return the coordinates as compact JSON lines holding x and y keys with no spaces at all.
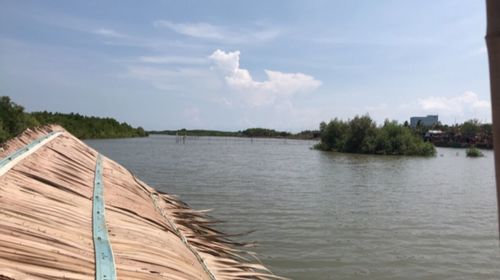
{"x":333,"y":216}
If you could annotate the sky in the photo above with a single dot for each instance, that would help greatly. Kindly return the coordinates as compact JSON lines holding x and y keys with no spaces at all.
{"x":231,"y":65}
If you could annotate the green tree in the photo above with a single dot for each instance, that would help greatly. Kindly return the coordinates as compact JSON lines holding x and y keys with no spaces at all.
{"x":361,"y":135}
{"x":470,"y":128}
{"x":333,"y":134}
{"x":11,"y":115}
{"x":13,"y":119}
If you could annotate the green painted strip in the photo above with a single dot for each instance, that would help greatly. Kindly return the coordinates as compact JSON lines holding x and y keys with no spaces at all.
{"x":104,"y":260}
{"x":24,"y":149}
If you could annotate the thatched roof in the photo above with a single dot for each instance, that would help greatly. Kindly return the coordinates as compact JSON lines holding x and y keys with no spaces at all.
{"x":46,"y":223}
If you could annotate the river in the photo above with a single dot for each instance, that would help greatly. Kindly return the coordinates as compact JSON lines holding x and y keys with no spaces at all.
{"x":320,"y":215}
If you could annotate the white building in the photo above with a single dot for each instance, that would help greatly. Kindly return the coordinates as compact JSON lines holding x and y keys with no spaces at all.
{"x":429,"y":120}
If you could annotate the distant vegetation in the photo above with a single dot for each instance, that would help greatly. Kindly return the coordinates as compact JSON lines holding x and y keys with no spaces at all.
{"x":251,"y":132}
{"x":473,"y":152}
{"x":13,"y":120}
{"x":264,"y":132}
{"x":362,"y":135}
{"x":195,"y":132}
{"x":468,"y":134}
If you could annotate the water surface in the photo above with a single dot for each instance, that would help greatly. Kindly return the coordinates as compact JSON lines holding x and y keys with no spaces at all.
{"x":320,"y":215}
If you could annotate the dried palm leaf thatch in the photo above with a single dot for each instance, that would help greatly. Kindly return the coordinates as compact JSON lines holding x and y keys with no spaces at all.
{"x":46,"y":221}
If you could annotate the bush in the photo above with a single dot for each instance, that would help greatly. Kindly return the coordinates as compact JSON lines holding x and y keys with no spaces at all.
{"x":361,"y":135}
{"x":473,"y":152}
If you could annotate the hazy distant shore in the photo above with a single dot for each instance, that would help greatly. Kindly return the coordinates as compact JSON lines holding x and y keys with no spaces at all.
{"x":247,"y":133}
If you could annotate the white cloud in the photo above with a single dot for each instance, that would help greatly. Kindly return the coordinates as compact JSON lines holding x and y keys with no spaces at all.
{"x":277,"y":85}
{"x":205,"y":30}
{"x":465,"y":106}
{"x":456,"y":104}
{"x":108,"y":33}
{"x":229,"y":87}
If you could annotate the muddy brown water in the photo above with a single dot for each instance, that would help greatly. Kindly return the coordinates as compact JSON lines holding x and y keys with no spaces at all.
{"x":319,"y":215}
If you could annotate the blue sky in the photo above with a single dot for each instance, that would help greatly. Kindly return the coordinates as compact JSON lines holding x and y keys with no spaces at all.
{"x":231,"y":65}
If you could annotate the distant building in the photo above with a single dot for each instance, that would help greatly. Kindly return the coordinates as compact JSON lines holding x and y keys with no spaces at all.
{"x":433,"y":134}
{"x":429,"y":120}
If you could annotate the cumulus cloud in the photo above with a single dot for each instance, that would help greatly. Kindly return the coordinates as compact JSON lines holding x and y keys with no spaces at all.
{"x":205,"y":30}
{"x":257,"y":93}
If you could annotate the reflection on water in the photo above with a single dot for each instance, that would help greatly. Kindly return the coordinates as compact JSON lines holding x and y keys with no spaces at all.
{"x":324,"y":215}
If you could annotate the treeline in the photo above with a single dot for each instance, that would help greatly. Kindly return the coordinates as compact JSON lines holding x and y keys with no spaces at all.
{"x":89,"y":127}
{"x":271,"y":133}
{"x":13,"y":120}
{"x":250,"y":132}
{"x":362,"y":135}
{"x":265,"y":132}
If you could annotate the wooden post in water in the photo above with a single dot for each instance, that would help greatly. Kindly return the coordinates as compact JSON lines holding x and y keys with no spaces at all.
{"x":493,"y":44}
